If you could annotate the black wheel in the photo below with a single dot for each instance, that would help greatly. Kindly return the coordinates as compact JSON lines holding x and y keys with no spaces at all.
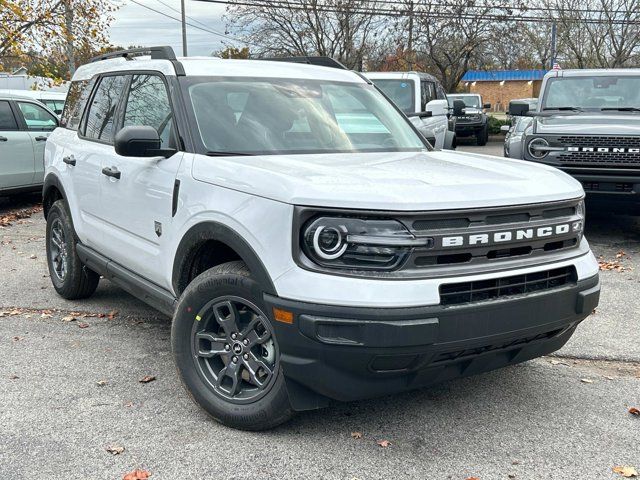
{"x":226,"y":351}
{"x":483,"y":136}
{"x":71,"y":279}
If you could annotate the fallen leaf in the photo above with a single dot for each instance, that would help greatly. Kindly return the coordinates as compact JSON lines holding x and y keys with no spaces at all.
{"x":101,"y":383}
{"x":586,"y":380}
{"x":45,"y":315}
{"x":137,"y":475}
{"x":356,"y":435}
{"x":33,"y":257}
{"x":83,"y":325}
{"x":17,"y":339}
{"x":626,"y":472}
{"x":511,"y":475}
{"x":147,"y":379}
{"x":13,"y":377}
{"x":384,"y":443}
{"x":473,"y":478}
{"x":113,"y":314}
{"x":128,"y":404}
{"x":115,"y":449}
{"x":69,"y":318}
{"x":634,"y":411}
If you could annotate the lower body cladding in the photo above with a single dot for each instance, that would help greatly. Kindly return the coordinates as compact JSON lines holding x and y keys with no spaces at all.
{"x":352,"y":353}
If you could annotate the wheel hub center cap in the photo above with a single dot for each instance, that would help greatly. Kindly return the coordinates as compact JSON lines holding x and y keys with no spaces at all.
{"x":237,"y":348}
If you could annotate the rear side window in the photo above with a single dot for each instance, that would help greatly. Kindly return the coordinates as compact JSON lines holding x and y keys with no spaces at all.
{"x":36,"y":117}
{"x":74,"y":105}
{"x":427,"y":93}
{"x":102,"y":110}
{"x":7,"y":120}
{"x":148,"y":105}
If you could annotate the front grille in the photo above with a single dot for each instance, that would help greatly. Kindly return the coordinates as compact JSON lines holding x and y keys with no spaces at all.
{"x":486,"y":290}
{"x":605,"y":187}
{"x":621,"y":159}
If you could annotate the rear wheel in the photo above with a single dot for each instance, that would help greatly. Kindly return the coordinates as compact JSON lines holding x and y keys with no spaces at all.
{"x":71,"y":279}
{"x":226,"y":352}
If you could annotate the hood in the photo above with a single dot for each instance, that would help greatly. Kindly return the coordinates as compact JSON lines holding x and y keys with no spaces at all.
{"x":389,"y":181}
{"x":589,"y":124}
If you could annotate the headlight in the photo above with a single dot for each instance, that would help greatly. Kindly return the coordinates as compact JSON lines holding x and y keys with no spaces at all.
{"x":578,"y":226}
{"x":534,"y":151}
{"x":357,"y":244}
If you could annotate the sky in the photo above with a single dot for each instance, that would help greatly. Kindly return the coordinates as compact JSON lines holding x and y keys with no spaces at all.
{"x":136,"y":25}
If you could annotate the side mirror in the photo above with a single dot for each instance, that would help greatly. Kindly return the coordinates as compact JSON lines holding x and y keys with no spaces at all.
{"x":518,"y":109}
{"x":458,"y":107}
{"x":437,"y":107}
{"x":486,"y":105}
{"x":140,"y":141}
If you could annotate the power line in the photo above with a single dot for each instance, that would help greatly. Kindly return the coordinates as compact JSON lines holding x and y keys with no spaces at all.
{"x":386,"y":12}
{"x":212,"y":32}
{"x":178,"y":11}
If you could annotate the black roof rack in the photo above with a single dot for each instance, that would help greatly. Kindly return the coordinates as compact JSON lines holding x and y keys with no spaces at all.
{"x":157,"y":53}
{"x":319,"y":61}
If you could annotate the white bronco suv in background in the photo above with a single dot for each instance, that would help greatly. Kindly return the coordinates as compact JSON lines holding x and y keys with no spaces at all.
{"x":308,"y":242}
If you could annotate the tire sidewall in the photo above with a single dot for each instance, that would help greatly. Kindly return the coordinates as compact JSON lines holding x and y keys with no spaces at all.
{"x":201,"y":291}
{"x":58,"y":212}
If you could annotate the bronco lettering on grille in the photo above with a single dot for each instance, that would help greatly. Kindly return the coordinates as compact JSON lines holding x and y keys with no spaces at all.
{"x":511,"y":235}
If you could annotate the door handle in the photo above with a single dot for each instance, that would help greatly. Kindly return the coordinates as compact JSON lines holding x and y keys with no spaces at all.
{"x":3,"y":139}
{"x":111,"y":172}
{"x":70,"y":160}
{"x":40,"y":139}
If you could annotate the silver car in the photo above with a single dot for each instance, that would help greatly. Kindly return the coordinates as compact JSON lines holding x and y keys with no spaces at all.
{"x":25,"y":125}
{"x":513,"y":140}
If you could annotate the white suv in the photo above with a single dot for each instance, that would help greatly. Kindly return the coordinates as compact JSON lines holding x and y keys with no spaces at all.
{"x":308,"y":242}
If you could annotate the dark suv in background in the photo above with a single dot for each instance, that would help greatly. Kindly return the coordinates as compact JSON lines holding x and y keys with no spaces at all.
{"x":473,"y":122}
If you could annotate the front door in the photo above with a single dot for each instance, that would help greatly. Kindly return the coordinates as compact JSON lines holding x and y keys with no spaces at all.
{"x":16,"y":150}
{"x":39,"y":123}
{"x":139,"y":205}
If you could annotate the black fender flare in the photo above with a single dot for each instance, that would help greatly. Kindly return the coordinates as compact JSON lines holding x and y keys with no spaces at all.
{"x":210,"y":230}
{"x":51,"y":181}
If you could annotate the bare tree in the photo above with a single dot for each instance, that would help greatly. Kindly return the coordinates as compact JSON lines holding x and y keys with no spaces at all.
{"x":342,"y":29}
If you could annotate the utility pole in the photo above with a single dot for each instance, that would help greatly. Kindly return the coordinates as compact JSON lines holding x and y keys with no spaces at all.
{"x":553,"y":44}
{"x":68,"y":22}
{"x":184,"y":29}
{"x":410,"y":41}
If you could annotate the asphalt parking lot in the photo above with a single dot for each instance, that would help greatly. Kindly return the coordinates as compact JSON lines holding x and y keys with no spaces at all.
{"x":70,"y":389}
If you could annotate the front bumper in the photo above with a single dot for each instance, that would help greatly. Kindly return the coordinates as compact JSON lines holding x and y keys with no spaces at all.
{"x":470,"y":128}
{"x":350,"y":353}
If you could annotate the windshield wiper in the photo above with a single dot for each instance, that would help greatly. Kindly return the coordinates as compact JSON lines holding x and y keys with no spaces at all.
{"x":214,"y":153}
{"x":622,"y":109}
{"x":570,"y":109}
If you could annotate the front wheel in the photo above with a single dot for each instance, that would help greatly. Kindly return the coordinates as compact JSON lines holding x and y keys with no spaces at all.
{"x":226,"y":352}
{"x":71,"y":279}
{"x":483,"y":136}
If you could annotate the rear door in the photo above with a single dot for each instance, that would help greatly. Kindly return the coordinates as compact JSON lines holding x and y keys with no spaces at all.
{"x":138,"y":206}
{"x":39,"y":123}
{"x":16,"y":149}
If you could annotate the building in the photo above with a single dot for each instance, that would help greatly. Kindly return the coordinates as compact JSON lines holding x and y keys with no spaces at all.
{"x":499,"y":87}
{"x":19,"y":80}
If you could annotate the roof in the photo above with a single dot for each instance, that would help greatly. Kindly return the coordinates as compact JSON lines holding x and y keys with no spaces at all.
{"x":383,"y":75}
{"x":212,"y":66}
{"x":502,"y":75}
{"x":595,"y":72}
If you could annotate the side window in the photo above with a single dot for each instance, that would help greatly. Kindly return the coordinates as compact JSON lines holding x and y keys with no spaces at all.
{"x":7,"y":119}
{"x":148,"y":104}
{"x":55,"y":105}
{"x":36,"y":117}
{"x":101,"y":114}
{"x":440,"y":93}
{"x":74,"y":106}
{"x":427,"y":93}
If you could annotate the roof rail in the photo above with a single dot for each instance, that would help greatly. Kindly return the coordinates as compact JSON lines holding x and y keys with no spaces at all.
{"x":157,"y":53}
{"x":319,"y":61}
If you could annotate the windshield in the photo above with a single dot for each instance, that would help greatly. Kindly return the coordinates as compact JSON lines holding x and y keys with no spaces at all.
{"x":401,"y":92}
{"x":472,"y":101}
{"x":592,"y":92}
{"x":269,"y":116}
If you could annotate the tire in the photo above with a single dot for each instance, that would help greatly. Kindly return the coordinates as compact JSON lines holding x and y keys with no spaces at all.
{"x":204,"y":348}
{"x":483,"y":136}
{"x":71,"y":279}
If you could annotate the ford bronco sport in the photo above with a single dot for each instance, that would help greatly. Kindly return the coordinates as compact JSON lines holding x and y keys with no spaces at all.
{"x":587,"y":123}
{"x":308,"y":242}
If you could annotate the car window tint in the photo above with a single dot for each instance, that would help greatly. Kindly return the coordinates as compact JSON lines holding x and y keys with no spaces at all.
{"x":102,"y":110}
{"x":7,"y":120}
{"x":148,"y":104}
{"x":36,"y":117}
{"x":74,"y":106}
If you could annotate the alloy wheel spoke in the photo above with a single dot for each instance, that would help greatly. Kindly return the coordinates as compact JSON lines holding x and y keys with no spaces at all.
{"x":251,"y":334}
{"x":217,"y":345}
{"x":255,"y":367}
{"x":232,"y":371}
{"x":227,"y":316}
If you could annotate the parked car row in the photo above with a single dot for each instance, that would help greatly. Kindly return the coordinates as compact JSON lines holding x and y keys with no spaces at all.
{"x":587,"y":124}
